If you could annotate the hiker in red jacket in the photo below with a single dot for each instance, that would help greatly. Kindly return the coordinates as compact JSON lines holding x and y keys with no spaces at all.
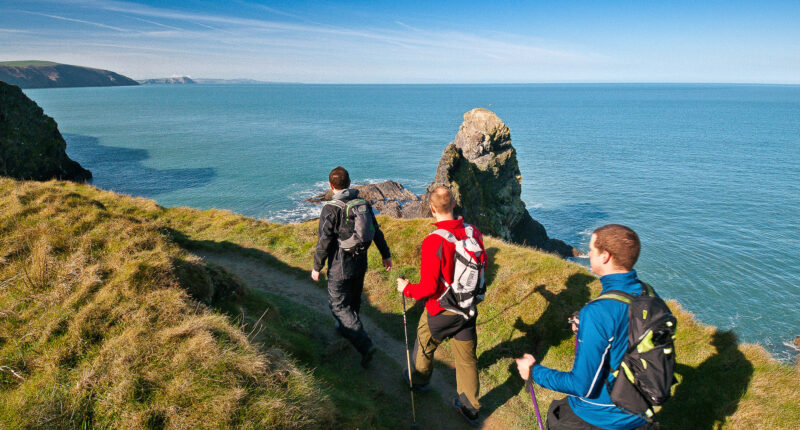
{"x":451,"y":282}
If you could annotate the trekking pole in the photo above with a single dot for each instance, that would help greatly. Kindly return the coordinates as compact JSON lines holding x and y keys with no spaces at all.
{"x":529,"y":384}
{"x":408,"y":362}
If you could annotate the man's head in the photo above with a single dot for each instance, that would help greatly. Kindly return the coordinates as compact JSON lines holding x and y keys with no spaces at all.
{"x":339,"y":178}
{"x":613,"y":248}
{"x":442,"y":203}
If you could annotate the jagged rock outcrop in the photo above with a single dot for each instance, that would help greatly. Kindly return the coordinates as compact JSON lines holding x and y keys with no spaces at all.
{"x":797,"y":341}
{"x":480,"y":167}
{"x":30,"y":145}
{"x":389,"y":198}
{"x":45,"y":74}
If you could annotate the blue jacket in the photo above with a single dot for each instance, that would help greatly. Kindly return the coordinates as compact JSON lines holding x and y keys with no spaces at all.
{"x":602,"y":341}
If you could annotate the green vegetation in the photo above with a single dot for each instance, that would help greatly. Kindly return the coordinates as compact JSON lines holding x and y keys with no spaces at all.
{"x":104,"y":325}
{"x":109,"y":321}
{"x":27,"y":63}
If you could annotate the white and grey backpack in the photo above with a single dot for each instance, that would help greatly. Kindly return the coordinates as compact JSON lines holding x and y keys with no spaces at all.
{"x":468,"y":287}
{"x":358,"y":225}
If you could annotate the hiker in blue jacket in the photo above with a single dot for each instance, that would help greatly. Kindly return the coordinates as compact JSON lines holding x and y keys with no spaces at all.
{"x":602,"y":339}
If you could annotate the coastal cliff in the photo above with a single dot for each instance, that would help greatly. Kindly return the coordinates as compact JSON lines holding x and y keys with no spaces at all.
{"x":31,"y":146}
{"x":45,"y":74}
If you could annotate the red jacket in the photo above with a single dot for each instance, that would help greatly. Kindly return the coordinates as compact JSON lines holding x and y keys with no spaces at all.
{"x":438,"y":260}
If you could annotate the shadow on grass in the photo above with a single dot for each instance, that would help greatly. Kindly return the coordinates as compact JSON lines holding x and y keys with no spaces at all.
{"x":710,"y":392}
{"x":549,"y":330}
{"x":308,"y":336}
{"x":491,"y":269}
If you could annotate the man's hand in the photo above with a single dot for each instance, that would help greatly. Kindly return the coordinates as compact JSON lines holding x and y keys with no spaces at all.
{"x":574,"y":321}
{"x":387,"y":263}
{"x":524,"y":365}
{"x":401,"y":284}
{"x":315,"y":275}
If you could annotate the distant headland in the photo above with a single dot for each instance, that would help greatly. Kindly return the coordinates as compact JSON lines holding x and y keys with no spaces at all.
{"x":47,"y":74}
{"x":175,"y":80}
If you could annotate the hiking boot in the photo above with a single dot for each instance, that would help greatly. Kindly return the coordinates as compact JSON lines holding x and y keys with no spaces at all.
{"x":367,"y":356}
{"x":469,"y":416}
{"x":421,"y":388}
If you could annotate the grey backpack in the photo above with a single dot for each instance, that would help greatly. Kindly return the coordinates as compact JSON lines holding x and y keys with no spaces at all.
{"x":358,"y":225}
{"x":468,"y":287}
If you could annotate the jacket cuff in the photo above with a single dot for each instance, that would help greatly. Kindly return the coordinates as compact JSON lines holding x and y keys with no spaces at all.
{"x":536,"y":367}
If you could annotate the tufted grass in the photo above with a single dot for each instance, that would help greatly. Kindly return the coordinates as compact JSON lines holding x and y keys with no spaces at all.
{"x":111,"y":323}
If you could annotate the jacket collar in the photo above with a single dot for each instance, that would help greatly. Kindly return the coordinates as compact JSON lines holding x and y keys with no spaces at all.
{"x":347,"y":194}
{"x":450,"y":224}
{"x":627,"y":282}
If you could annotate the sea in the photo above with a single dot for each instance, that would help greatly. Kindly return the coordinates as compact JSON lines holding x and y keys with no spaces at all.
{"x":708,"y":175}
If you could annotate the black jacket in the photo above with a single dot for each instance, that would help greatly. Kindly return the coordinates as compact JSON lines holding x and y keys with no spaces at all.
{"x":342,"y":264}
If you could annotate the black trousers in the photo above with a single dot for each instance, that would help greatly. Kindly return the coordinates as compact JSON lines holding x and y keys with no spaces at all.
{"x":561,"y":417}
{"x":344,"y":299}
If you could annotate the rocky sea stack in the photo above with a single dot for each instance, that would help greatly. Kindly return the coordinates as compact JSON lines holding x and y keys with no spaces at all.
{"x":30,"y":145}
{"x":481,"y":168}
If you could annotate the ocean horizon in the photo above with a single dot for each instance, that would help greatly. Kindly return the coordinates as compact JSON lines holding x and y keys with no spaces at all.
{"x":707,"y":174}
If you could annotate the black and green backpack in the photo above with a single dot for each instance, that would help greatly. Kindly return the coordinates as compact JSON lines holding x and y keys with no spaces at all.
{"x":358,"y":225}
{"x":645,"y":375}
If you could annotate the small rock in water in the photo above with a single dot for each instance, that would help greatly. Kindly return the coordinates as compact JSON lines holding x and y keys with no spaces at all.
{"x":797,"y":342}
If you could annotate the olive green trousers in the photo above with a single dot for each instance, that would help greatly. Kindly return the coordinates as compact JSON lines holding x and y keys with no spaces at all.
{"x":431,"y":332}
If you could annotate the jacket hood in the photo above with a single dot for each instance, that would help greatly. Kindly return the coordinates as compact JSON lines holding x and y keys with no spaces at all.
{"x":347,"y":194}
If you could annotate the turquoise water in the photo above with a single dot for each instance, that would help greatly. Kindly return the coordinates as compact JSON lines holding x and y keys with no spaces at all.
{"x":709,"y":175}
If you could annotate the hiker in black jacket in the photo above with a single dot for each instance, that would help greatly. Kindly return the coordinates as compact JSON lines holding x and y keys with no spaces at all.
{"x":347,"y":215}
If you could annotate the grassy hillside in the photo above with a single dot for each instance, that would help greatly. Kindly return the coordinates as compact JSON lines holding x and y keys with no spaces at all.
{"x":27,"y":63}
{"x":724,"y":384}
{"x":105,"y":324}
{"x":109,"y":321}
{"x":46,"y":74}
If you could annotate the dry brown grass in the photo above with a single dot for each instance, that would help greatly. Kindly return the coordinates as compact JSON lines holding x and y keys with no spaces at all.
{"x":99,"y":329}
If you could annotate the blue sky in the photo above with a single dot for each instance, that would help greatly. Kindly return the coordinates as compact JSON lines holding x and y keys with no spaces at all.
{"x":414,"y":42}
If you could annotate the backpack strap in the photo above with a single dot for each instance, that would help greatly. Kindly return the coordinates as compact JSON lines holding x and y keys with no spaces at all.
{"x":355,"y":202}
{"x":338,"y":203}
{"x":616,"y":295}
{"x":647,"y":290}
{"x":446,"y":235}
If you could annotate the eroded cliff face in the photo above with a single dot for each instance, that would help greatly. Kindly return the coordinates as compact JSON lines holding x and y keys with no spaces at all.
{"x":480,"y":167}
{"x":30,"y":145}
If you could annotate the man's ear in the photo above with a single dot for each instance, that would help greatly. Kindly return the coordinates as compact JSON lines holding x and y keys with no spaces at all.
{"x":433,"y":210}
{"x":606,"y":257}
{"x":331,"y":185}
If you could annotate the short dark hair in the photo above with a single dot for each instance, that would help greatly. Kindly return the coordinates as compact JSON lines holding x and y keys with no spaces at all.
{"x":339,"y":178}
{"x":620,"y":242}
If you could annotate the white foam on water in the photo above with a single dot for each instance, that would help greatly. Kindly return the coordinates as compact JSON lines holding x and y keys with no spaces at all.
{"x":791,"y":345}
{"x":302,"y":211}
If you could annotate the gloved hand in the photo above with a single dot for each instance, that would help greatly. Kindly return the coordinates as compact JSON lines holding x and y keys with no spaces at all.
{"x":401,"y":284}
